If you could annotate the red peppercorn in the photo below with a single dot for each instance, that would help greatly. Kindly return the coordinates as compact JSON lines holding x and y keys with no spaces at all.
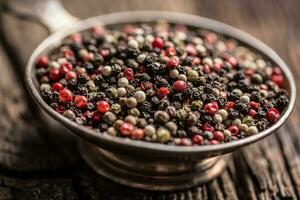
{"x":197,"y":139}
{"x":158,"y":43}
{"x":208,"y":127}
{"x":57,"y":87}
{"x":185,"y":142}
{"x":105,"y":52}
{"x":80,"y":101}
{"x":128,"y":73}
{"x":60,"y":109}
{"x":54,"y":74}
{"x":249,"y":72}
{"x":173,"y":62}
{"x":206,"y":69}
{"x":232,"y":61}
{"x":103,"y":106}
{"x":76,"y":37}
{"x":170,"y":52}
{"x":65,"y":67}
{"x":179,"y":86}
{"x":229,"y":105}
{"x":137,"y":133}
{"x":211,"y":108}
{"x":276,"y":70}
{"x":196,"y":61}
{"x":65,"y":96}
{"x":218,"y":135}
{"x":252,"y":113}
{"x":217,"y":67}
{"x":278,"y":79}
{"x":71,"y":75}
{"x":234,"y":130}
{"x":254,"y":105}
{"x":97,"y":117}
{"x":273,"y":115}
{"x":126,"y":129}
{"x":162,"y":92}
{"x":191,"y":50}
{"x":214,"y":142}
{"x":68,"y":53}
{"x":42,"y":62}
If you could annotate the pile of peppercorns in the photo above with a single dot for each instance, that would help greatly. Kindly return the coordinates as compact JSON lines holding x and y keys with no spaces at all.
{"x":162,"y":83}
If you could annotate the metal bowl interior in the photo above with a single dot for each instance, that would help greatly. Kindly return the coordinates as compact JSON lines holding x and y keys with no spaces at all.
{"x":128,"y":146}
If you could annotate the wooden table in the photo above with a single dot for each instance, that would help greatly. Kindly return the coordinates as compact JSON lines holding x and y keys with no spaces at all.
{"x":34,"y":164}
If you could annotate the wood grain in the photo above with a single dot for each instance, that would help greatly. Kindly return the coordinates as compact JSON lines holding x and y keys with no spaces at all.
{"x":34,"y":166}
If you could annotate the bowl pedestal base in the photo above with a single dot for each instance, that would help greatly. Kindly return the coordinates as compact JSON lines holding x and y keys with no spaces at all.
{"x":150,"y":174}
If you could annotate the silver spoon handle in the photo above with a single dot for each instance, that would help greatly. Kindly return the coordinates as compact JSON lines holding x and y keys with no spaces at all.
{"x":50,"y":13}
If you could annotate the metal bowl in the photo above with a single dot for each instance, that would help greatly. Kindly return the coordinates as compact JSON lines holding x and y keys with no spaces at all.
{"x":147,"y":165}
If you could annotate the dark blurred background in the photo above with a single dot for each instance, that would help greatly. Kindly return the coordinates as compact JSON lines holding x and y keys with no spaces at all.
{"x":33,"y":166}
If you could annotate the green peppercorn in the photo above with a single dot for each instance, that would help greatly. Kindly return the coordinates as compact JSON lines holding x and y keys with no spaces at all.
{"x":252,"y":130}
{"x":245,"y":98}
{"x":112,"y":131}
{"x":130,"y":119}
{"x":163,"y":135}
{"x":109,"y":117}
{"x":121,"y":92}
{"x":197,"y":105}
{"x":134,"y":111}
{"x":123,"y":82}
{"x":69,"y":114}
{"x":181,"y":114}
{"x":150,"y":130}
{"x":106,"y":71}
{"x":118,"y":123}
{"x":191,"y":119}
{"x":115,"y":108}
{"x":217,"y":119}
{"x":111,"y":92}
{"x":174,"y":73}
{"x":131,"y":102}
{"x":243,"y":127}
{"x":248,"y":120}
{"x":223,"y":113}
{"x":172,"y":127}
{"x":192,"y":75}
{"x":256,"y":78}
{"x":161,"y":116}
{"x":141,"y":123}
{"x":140,"y":96}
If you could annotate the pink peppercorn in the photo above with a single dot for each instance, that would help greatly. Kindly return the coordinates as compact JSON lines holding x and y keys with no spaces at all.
{"x":208,"y":127}
{"x":211,"y":108}
{"x":252,"y":113}
{"x":137,"y":133}
{"x":229,"y":105}
{"x":126,"y":129}
{"x":278,"y":79}
{"x":170,"y":52}
{"x":162,"y":92}
{"x":97,"y":117}
{"x":65,"y":67}
{"x":80,"y":101}
{"x":103,"y":106}
{"x":218,"y":135}
{"x":42,"y":62}
{"x":214,"y":142}
{"x":158,"y":43}
{"x":197,"y":139}
{"x":206,"y":69}
{"x":254,"y":105}
{"x":70,"y":75}
{"x":179,"y":86}
{"x":173,"y":62}
{"x":234,"y":130}
{"x":57,"y":87}
{"x":65,"y":96}
{"x":54,"y":74}
{"x":129,"y":74}
{"x":273,"y":115}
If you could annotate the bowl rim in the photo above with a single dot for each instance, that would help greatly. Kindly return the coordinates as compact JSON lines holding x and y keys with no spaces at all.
{"x":152,"y":16}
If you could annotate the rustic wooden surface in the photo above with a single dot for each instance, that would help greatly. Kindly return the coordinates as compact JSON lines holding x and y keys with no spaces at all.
{"x":34,"y":164}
